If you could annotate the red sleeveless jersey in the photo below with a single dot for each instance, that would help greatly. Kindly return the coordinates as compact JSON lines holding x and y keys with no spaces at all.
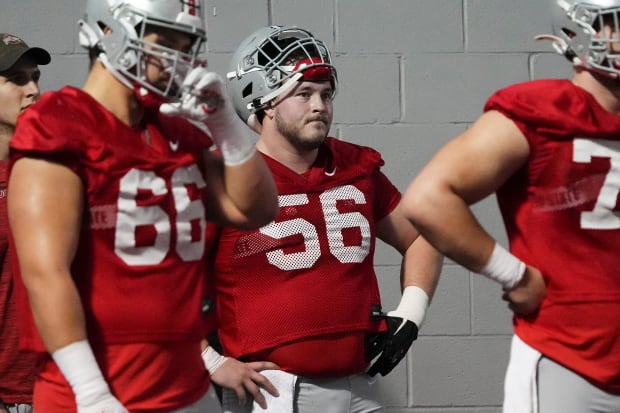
{"x":139,"y":266}
{"x":562,"y":216}
{"x":310,"y":272}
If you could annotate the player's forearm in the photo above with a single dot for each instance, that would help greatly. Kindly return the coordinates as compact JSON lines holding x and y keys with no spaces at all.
{"x":446,"y":221}
{"x":57,"y":310}
{"x":251,"y":189}
{"x":421,"y":266}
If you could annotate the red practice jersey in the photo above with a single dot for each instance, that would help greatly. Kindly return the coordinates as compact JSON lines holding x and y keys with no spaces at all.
{"x":310,"y":272}
{"x":17,"y":369}
{"x":139,"y":267}
{"x":562,"y":216}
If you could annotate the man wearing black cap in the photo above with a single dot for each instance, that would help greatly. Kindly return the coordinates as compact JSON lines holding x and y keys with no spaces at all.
{"x":19,"y":88}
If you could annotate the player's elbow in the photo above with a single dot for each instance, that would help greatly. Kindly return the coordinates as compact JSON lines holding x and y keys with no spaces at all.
{"x":420,"y":203}
{"x":261,"y":213}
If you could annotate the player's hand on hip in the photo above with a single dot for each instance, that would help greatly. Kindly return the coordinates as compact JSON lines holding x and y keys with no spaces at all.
{"x":245,"y":378}
{"x":385,"y":350}
{"x":203,"y":95}
{"x":525,"y":298}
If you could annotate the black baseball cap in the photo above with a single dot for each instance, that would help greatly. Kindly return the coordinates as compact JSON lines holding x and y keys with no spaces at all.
{"x":12,"y":48}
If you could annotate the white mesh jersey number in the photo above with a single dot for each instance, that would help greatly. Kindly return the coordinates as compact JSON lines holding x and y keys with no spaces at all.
{"x":603,"y":216}
{"x":335,"y":223}
{"x":131,"y":216}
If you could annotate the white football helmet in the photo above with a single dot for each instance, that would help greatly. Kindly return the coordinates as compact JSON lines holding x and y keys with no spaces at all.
{"x":270,"y":61}
{"x":579,"y":35}
{"x":116,"y":28}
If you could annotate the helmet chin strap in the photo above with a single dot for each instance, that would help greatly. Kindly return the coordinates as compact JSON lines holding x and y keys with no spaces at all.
{"x":561,"y":47}
{"x":282,"y":89}
{"x":103,"y":58}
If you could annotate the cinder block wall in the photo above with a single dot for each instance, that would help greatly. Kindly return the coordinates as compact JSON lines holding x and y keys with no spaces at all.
{"x":413,"y":73}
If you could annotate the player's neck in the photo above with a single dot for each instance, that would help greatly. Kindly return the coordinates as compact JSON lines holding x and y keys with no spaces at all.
{"x":605,"y":90}
{"x":6,"y":132}
{"x":113,"y":95}
{"x":282,"y":151}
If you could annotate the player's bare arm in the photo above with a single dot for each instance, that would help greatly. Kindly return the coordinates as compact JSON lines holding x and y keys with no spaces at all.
{"x":466,"y":170}
{"x":419,"y":275}
{"x":421,"y":261}
{"x":46,"y":239}
{"x":463,"y":172}
{"x":248,"y":205}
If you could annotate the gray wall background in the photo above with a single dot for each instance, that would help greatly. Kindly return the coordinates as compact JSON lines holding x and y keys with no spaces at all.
{"x":413,"y":74}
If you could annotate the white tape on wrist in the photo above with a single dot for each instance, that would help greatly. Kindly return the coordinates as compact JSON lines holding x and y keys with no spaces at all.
{"x":503,"y":267}
{"x":413,"y":305}
{"x":235,"y":139}
{"x":77,"y":363}
{"x":212,"y":359}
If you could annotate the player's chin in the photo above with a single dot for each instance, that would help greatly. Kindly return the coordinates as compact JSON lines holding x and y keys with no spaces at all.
{"x":318,"y":128}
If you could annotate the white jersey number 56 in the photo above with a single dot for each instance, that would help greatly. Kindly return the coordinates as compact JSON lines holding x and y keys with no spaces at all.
{"x":335,"y":223}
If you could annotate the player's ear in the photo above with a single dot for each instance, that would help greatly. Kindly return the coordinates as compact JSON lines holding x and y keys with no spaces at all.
{"x":269,"y":112}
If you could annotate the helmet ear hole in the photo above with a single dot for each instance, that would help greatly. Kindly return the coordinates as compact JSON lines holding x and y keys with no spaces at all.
{"x":247,"y":91}
{"x":569,"y":33}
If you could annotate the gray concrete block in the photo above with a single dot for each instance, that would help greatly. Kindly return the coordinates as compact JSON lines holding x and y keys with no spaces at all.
{"x":490,"y":314}
{"x":506,"y":25}
{"x":459,"y":371}
{"x":48,"y":24}
{"x":231,"y":21}
{"x":454,"y":87}
{"x":368,"y":89}
{"x":550,"y":65}
{"x":64,"y":70}
{"x":317,"y":16}
{"x":388,"y":26}
{"x":405,"y":148}
{"x":450,"y":311}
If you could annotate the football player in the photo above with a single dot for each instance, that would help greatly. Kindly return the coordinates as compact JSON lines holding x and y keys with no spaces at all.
{"x":549,"y":150}
{"x":111,"y":193}
{"x":19,"y":89}
{"x":302,"y":292}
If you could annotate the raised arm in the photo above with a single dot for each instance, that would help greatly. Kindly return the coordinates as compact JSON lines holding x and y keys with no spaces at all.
{"x":241,"y":191}
{"x":243,"y":195}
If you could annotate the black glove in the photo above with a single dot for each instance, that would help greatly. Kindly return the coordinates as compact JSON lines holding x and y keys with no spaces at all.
{"x":390,"y":347}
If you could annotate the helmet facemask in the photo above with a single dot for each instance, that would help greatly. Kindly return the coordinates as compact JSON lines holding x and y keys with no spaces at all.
{"x":586,"y":33}
{"x":272,"y":63}
{"x":124,"y":52}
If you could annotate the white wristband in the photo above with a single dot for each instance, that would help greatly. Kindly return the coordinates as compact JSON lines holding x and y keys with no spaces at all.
{"x":413,"y":305}
{"x":77,"y":363}
{"x":503,"y":267}
{"x":212,"y":359}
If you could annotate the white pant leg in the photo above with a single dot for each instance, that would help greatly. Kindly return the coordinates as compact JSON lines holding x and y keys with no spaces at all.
{"x":352,"y":394}
{"x":520,"y":389}
{"x":209,"y":403}
{"x":561,"y":390}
